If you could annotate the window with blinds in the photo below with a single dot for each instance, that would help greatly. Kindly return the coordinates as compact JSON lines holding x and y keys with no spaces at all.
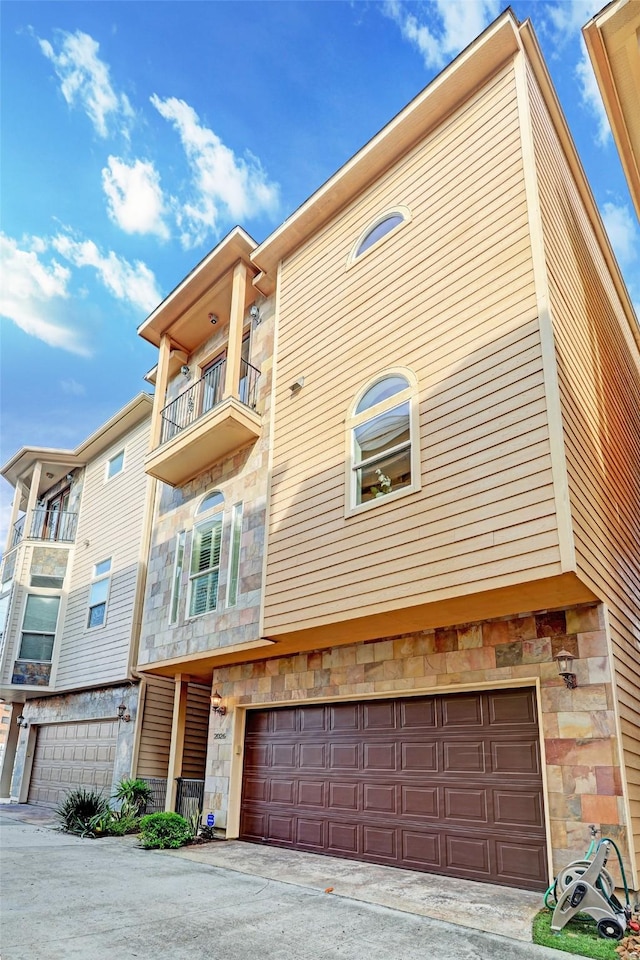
{"x":205,"y":566}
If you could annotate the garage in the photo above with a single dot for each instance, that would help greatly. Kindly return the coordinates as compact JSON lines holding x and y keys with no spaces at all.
{"x":69,"y":755}
{"x":446,"y":784}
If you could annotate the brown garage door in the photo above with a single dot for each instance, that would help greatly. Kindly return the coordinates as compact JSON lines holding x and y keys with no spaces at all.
{"x":446,"y":784}
{"x":72,"y":755}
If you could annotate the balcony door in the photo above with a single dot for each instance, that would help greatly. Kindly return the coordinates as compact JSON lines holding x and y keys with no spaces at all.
{"x":55,"y":515}
{"x":213,"y":382}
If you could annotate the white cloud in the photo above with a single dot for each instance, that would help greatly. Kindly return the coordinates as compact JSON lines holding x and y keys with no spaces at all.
{"x":72,"y":387}
{"x":569,"y":17}
{"x":84,"y":79}
{"x":591,"y":97}
{"x":453,"y":24}
{"x":223,"y":184}
{"x":622,"y":231}
{"x":134,"y":197}
{"x":32,"y":291}
{"x":133,"y":283}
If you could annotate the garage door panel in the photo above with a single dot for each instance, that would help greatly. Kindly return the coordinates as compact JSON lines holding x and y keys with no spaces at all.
{"x":464,"y":757}
{"x":379,"y":756}
{"x":515,"y":757}
{"x":419,"y":757}
{"x":430,"y":783}
{"x":284,"y":721}
{"x":71,"y":755}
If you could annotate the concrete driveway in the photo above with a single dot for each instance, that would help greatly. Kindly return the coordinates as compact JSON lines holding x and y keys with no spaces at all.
{"x":66,"y":898}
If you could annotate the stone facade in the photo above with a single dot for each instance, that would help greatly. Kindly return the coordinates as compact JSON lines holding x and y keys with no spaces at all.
{"x":241,"y":478}
{"x":583,"y":781}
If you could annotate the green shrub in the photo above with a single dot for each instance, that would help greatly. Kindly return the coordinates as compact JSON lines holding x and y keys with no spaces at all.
{"x":82,"y":811}
{"x":134,"y":795}
{"x":160,"y":830}
{"x":120,"y":824}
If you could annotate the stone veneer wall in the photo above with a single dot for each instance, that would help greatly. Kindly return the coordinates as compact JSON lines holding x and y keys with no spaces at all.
{"x":241,"y":477}
{"x":578,"y":726}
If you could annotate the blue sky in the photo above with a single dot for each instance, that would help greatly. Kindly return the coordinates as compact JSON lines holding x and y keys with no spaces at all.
{"x":134,"y":135}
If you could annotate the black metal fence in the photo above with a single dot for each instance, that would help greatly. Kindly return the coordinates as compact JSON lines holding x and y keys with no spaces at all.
{"x":158,"y":794}
{"x":190,"y":797}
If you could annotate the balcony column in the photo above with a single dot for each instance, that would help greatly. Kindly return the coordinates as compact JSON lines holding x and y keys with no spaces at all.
{"x":33,"y":498}
{"x":160,"y":392}
{"x":176,"y":749}
{"x":15,"y":510}
{"x":236,"y":323}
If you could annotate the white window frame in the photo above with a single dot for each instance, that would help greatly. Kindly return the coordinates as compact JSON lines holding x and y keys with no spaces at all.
{"x":400,"y":210}
{"x":233,"y":572}
{"x":111,"y":476}
{"x":353,"y":420}
{"x":48,"y":595}
{"x":99,"y":578}
{"x":217,"y":512}
{"x":176,"y":579}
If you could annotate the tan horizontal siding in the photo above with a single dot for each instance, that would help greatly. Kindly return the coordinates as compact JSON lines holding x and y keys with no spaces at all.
{"x":599,"y":383}
{"x":109,"y":525}
{"x":196,"y":731}
{"x":451,"y":296}
{"x":155,"y":736}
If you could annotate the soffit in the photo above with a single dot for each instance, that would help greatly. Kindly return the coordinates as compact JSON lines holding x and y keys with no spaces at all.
{"x":184,"y":314}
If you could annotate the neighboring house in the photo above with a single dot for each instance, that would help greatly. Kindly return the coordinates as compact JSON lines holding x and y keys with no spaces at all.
{"x":209,"y":446}
{"x":72,"y":578}
{"x":613,"y":42}
{"x":451,"y":456}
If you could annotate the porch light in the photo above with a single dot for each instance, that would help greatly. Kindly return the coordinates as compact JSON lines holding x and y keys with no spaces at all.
{"x":564,"y":659}
{"x":216,"y":704}
{"x":20,"y":720}
{"x":123,"y":713}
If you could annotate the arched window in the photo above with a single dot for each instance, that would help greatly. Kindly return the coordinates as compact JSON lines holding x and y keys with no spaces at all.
{"x":383,"y":440}
{"x":380,"y":227}
{"x":205,"y":555}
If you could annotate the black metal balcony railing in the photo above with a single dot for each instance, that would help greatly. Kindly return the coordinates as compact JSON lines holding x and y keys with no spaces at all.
{"x":204,"y":395}
{"x":52,"y":525}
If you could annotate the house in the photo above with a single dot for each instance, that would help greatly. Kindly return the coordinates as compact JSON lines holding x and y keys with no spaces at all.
{"x":613,"y":41}
{"x":381,"y":562}
{"x":72,"y":578}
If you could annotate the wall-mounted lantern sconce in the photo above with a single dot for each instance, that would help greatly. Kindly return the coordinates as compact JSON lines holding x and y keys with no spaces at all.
{"x":213,"y":318}
{"x":217,"y":705}
{"x":255,"y":314}
{"x":21,"y":721}
{"x":564,"y":659}
{"x":123,"y":713}
{"x":185,"y":371}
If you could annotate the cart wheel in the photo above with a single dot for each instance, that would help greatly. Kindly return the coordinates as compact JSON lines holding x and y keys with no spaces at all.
{"x":610,"y":929}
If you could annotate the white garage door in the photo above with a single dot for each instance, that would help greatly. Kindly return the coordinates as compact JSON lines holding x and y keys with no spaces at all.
{"x":70,"y":755}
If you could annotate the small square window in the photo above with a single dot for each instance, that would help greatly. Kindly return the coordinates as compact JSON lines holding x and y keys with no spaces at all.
{"x":115,"y":465}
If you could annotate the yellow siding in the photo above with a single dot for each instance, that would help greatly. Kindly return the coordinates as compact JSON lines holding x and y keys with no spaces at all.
{"x":110,"y":524}
{"x":451,"y":296}
{"x":599,"y":381}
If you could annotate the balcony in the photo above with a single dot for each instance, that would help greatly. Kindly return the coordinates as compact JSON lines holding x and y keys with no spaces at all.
{"x":57,"y":526}
{"x":201,"y":426}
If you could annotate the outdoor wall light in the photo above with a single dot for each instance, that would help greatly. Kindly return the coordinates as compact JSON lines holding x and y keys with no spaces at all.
{"x":123,"y":713}
{"x":21,"y":721}
{"x":216,"y":704}
{"x":255,"y":314}
{"x":185,"y":371}
{"x":564,"y":659}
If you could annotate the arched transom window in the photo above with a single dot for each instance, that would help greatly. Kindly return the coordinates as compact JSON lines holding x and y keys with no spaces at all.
{"x":383,"y":439}
{"x":384,"y":224}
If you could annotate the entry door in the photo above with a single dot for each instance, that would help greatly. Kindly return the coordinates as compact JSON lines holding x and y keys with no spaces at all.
{"x":213,"y":382}
{"x":55,"y":515}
